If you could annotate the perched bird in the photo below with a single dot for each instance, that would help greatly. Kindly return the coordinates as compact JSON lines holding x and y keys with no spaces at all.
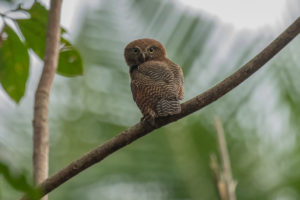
{"x":156,"y":82}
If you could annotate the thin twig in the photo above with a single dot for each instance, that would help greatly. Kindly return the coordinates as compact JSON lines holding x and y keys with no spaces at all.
{"x":226,"y":174}
{"x":4,"y":16}
{"x":40,"y":122}
{"x":128,"y":136}
{"x":18,"y":8}
{"x":219,"y":181}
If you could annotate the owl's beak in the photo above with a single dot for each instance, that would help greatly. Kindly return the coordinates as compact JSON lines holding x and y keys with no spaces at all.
{"x":144,"y":56}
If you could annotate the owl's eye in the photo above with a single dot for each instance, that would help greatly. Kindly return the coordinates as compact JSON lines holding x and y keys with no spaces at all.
{"x":151,"y":49}
{"x":135,"y":50}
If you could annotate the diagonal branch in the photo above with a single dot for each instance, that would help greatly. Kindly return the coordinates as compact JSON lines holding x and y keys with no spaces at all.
{"x":40,"y":121}
{"x":140,"y":129}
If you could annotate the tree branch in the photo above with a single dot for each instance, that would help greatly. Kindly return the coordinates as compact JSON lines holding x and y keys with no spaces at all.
{"x":224,"y":181}
{"x":220,"y":185}
{"x":40,"y":121}
{"x":128,"y":136}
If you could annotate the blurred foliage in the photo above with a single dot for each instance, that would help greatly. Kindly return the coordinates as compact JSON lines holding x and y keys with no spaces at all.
{"x":260,"y":117}
{"x":18,"y":182}
{"x":34,"y":31}
{"x":14,"y":57}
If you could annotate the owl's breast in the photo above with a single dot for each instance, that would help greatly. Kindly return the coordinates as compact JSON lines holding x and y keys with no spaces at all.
{"x":133,"y":68}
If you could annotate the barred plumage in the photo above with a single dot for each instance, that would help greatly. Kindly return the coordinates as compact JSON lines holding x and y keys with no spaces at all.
{"x":156,"y":82}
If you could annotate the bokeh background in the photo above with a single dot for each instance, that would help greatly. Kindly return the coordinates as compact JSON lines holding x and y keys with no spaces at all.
{"x":261,"y":117}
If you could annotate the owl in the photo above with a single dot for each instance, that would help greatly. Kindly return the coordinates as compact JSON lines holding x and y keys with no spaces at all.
{"x":156,"y":82}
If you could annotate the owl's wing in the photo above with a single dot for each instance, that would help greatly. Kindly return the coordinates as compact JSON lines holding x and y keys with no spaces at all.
{"x":157,"y":71}
{"x":133,"y":87}
{"x":181,"y":82}
{"x":178,"y":79}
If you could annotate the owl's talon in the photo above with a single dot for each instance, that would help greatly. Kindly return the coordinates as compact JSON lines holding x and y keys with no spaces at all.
{"x":149,"y":120}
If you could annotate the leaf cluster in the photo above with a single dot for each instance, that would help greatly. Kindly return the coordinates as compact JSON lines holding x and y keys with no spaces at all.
{"x":25,"y":36}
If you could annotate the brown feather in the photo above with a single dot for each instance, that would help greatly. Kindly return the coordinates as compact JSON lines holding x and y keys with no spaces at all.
{"x":156,"y":82}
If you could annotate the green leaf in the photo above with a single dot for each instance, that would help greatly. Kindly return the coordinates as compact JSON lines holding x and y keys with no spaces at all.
{"x":70,"y":62}
{"x":14,"y":64}
{"x":34,"y":29}
{"x":34,"y":32}
{"x":19,"y":182}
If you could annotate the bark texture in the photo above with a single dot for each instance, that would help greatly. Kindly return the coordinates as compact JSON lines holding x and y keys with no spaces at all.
{"x":40,"y":121}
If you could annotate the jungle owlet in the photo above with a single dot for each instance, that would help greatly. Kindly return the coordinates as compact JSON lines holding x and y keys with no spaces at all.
{"x":156,"y":82}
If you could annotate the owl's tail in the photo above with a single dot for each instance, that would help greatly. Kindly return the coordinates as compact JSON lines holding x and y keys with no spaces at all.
{"x":167,"y":107}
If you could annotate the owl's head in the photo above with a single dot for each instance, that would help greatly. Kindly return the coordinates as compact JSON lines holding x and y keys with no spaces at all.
{"x":142,"y":50}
